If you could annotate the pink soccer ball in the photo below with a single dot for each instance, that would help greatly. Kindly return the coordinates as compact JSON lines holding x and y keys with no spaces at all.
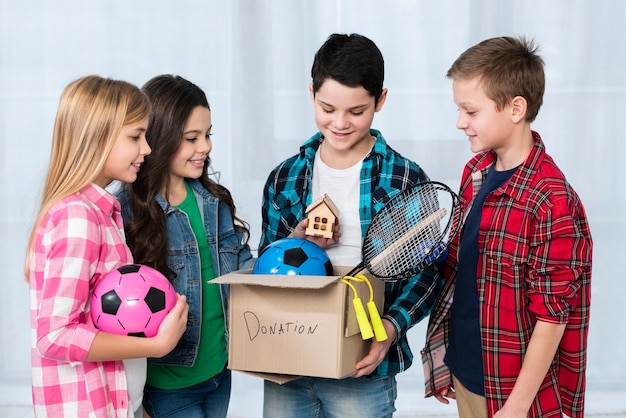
{"x":132,"y":300}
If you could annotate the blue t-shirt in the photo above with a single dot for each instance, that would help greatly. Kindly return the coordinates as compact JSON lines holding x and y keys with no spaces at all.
{"x":464,"y":353}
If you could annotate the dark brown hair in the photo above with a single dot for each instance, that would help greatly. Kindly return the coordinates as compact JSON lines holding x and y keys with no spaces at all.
{"x":173,"y":99}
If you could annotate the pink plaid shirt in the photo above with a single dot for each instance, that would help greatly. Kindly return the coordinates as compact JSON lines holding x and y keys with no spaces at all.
{"x":79,"y":239}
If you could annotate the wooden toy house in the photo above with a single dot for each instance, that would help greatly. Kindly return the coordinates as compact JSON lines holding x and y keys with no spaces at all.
{"x":322,"y":216}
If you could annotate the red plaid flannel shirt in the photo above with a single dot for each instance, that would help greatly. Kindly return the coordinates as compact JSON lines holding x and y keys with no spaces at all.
{"x":535,"y":251}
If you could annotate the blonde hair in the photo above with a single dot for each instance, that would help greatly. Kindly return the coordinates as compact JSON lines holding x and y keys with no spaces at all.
{"x":92,"y":112}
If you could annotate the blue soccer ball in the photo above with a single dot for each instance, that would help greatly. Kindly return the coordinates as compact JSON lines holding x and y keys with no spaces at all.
{"x":295,"y":257}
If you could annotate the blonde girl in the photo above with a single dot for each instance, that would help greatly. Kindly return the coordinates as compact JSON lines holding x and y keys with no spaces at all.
{"x":78,"y":371}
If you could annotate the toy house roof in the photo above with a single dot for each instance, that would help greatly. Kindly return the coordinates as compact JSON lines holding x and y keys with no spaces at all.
{"x":325,"y":199}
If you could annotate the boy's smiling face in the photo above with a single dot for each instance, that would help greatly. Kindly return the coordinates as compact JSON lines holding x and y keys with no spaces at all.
{"x":344,"y":116}
{"x":485,"y":126}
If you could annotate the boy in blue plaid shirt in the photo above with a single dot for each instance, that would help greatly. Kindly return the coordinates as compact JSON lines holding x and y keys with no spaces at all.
{"x":353,"y":164}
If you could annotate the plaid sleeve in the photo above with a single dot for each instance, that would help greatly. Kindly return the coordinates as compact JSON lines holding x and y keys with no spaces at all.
{"x":284,"y":200}
{"x":270,"y":217}
{"x":407,"y":302}
{"x":71,"y":255}
{"x":559,"y":259}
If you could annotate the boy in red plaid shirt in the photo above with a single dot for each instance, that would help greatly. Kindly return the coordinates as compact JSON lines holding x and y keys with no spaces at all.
{"x":508,"y":334}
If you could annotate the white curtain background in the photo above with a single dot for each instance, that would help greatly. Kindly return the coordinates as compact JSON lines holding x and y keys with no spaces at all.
{"x":253,"y":59}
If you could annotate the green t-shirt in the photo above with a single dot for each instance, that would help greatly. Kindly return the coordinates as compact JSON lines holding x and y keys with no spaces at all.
{"x":212,"y":354}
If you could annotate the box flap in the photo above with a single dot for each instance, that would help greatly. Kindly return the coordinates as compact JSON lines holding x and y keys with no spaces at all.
{"x":280,"y":379}
{"x":279,"y":280}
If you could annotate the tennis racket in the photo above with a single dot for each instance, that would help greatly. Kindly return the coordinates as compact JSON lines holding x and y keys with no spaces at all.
{"x":410,"y":232}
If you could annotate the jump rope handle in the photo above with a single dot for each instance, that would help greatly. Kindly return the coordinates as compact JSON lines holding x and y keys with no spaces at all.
{"x":361,"y":317}
{"x":377,"y":323}
{"x":376,"y":328}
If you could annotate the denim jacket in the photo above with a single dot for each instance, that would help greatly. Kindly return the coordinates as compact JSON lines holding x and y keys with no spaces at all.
{"x":228,"y":253}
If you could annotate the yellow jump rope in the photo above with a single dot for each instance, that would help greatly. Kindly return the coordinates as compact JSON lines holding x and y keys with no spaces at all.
{"x":368,"y":330}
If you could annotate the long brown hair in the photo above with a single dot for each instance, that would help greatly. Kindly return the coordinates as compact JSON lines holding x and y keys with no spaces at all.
{"x":173,"y":99}
{"x":92,"y":112}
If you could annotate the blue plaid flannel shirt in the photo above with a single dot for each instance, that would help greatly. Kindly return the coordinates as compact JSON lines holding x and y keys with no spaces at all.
{"x":384,"y":173}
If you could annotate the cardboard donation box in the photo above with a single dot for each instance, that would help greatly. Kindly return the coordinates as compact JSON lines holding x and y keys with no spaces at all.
{"x":296,"y":325}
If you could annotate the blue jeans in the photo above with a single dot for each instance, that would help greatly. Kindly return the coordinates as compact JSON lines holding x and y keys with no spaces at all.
{"x":314,"y":397}
{"x":206,"y":399}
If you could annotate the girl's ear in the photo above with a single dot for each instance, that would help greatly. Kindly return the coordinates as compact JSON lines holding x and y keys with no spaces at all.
{"x":519,"y":106}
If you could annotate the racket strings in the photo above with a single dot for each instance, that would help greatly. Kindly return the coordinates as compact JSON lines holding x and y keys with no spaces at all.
{"x":407,"y":231}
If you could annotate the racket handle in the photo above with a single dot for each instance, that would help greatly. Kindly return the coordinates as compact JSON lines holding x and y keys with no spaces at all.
{"x":361,"y":317}
{"x":377,"y":323}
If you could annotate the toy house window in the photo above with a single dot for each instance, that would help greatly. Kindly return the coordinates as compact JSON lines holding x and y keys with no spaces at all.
{"x":321,"y":223}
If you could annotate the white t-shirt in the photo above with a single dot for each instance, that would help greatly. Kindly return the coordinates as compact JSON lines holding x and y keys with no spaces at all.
{"x":343,"y":187}
{"x":136,"y":371}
